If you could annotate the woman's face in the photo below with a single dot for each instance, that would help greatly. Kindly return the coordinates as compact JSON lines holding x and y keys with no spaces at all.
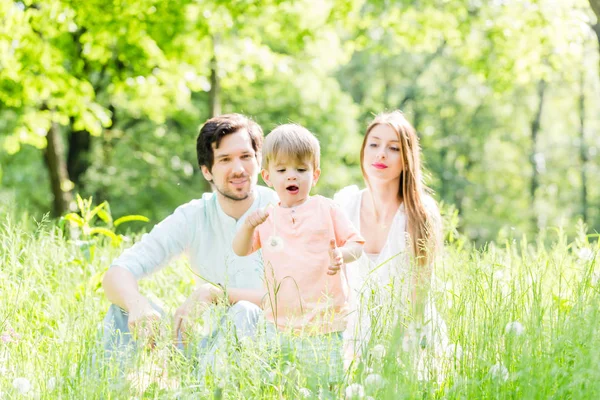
{"x":382,"y":160}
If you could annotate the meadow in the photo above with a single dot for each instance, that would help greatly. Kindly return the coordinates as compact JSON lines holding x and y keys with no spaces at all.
{"x":522,"y":319}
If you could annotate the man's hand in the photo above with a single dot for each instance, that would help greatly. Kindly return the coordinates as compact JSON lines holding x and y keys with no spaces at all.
{"x":191,"y":308}
{"x":257,"y":217}
{"x":143,"y":321}
{"x":336,"y":258}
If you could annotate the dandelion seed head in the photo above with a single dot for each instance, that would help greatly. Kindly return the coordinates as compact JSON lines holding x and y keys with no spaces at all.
{"x":585,"y":254}
{"x":454,"y":350}
{"x":374,"y":382}
{"x":499,"y":372}
{"x":378,"y":352}
{"x":514,"y":328}
{"x":22,"y":385}
{"x":275,"y":243}
{"x":355,"y":391}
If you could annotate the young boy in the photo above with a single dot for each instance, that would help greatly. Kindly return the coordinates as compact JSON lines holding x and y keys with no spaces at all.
{"x":305,"y":241}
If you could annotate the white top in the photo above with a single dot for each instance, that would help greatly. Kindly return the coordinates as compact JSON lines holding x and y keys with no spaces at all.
{"x":203,"y":232}
{"x":383,"y":279}
{"x":391,"y":262}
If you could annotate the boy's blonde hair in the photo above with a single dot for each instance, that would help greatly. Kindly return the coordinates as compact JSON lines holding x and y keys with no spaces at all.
{"x":291,"y":142}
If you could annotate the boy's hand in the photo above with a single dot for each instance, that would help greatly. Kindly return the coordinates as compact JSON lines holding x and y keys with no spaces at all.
{"x":336,"y":258}
{"x":257,"y":217}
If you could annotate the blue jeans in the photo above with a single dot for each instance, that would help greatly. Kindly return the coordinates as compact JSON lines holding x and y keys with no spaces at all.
{"x":243,"y":317}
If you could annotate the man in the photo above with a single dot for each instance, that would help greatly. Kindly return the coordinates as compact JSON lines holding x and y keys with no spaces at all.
{"x":228,"y":149}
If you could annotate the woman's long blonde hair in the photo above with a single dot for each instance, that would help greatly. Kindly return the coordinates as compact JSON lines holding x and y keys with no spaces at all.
{"x":422,"y":223}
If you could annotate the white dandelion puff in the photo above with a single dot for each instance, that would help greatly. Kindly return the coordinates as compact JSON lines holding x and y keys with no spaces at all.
{"x":514,"y":328}
{"x":499,"y":372}
{"x":305,"y":393}
{"x":275,"y":243}
{"x":22,"y":385}
{"x":454,"y":351}
{"x":378,"y":352}
{"x":355,"y":391}
{"x":374,"y":382}
{"x":585,"y":254}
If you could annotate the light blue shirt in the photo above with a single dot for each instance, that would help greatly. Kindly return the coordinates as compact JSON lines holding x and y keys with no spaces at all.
{"x":201,"y":230}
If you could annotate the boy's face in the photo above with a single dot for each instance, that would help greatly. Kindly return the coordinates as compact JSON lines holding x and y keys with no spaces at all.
{"x":291,"y":179}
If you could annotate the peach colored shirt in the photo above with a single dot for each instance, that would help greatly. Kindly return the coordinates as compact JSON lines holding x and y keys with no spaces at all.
{"x":301,"y":297}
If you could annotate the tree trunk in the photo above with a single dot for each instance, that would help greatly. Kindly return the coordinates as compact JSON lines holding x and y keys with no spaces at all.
{"x":215,"y":88}
{"x":595,"y":5}
{"x":535,"y":128}
{"x":583,"y":148}
{"x":78,"y":155}
{"x":444,"y":176}
{"x":61,"y":186}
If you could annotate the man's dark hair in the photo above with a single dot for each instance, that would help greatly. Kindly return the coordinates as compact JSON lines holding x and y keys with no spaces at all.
{"x":216,"y":128}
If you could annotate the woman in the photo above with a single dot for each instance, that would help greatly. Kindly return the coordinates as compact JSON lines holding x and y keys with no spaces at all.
{"x":401,"y":225}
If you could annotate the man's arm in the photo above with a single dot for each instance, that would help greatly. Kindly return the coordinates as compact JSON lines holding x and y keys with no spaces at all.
{"x":121,"y":289}
{"x":255,"y":296}
{"x":242,"y":242}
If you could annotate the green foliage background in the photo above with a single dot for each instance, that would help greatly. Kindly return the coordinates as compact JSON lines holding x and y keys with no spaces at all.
{"x":135,"y":78}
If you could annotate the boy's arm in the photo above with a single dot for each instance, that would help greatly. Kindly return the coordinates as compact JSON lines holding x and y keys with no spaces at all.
{"x":242,"y":242}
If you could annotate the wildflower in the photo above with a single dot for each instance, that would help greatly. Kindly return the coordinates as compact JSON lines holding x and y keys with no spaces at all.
{"x":305,"y":393}
{"x":499,"y":372}
{"x":22,"y":385}
{"x":10,"y":336}
{"x":454,"y":350}
{"x":355,"y":391}
{"x":378,"y":352}
{"x":514,"y":328}
{"x":374,"y":382}
{"x":275,"y":243}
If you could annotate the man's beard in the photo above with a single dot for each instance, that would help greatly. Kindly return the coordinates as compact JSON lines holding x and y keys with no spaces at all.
{"x":231,"y":195}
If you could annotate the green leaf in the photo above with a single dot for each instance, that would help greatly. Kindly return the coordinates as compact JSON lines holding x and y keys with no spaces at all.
{"x":80,"y":203}
{"x":75,"y":218}
{"x":129,"y":218}
{"x":105,"y":232}
{"x":105,"y":216}
{"x":95,"y":211}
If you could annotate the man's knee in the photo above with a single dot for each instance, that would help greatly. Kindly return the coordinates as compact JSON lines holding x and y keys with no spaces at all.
{"x":245,"y":316}
{"x":245,"y":309}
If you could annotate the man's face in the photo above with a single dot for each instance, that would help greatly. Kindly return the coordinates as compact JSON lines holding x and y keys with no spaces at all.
{"x":235,"y":169}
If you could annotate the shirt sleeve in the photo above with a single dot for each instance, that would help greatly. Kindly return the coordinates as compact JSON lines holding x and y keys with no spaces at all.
{"x":344,"y":229}
{"x":166,"y":241}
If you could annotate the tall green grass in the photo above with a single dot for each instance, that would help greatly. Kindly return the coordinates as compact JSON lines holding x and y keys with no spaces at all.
{"x":523,"y":322}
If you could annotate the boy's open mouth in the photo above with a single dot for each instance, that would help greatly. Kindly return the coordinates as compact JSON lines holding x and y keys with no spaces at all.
{"x":293,"y":189}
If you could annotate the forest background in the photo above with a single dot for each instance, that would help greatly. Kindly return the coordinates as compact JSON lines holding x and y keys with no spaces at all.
{"x":105,"y":98}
